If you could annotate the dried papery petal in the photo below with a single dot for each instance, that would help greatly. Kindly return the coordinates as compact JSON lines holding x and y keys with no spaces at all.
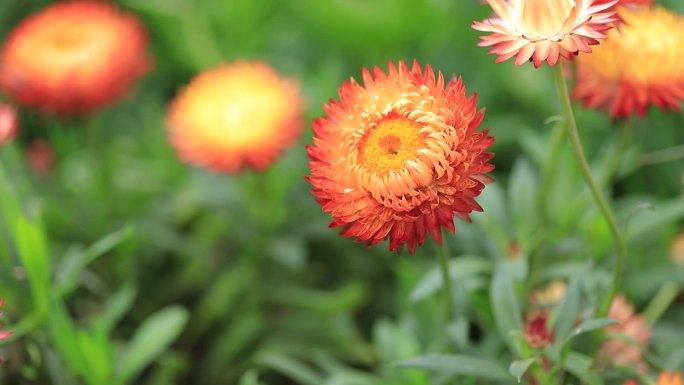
{"x":399,"y":156}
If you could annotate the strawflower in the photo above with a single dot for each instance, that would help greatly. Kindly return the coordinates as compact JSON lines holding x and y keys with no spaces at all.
{"x":537,"y":333}
{"x":9,"y":123}
{"x":639,"y":65}
{"x":235,"y":116}
{"x":544,"y":30}
{"x":399,"y":156}
{"x":73,"y":57}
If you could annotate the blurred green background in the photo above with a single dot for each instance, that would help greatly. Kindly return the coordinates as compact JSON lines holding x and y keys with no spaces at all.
{"x":153,"y":272}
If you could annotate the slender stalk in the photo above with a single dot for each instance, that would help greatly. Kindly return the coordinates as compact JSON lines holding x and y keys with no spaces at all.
{"x":573,"y":133}
{"x":443,"y":252}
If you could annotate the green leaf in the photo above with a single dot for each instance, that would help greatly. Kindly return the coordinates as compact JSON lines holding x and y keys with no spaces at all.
{"x":117,"y":305}
{"x":459,"y":269}
{"x":646,"y":221}
{"x":458,"y":365}
{"x":506,"y":308}
{"x":290,"y":367}
{"x":70,"y":269}
{"x":519,"y":367}
{"x":523,"y":197}
{"x":249,"y":378}
{"x":150,"y":340}
{"x":591,"y":325}
{"x":566,"y":313}
{"x":579,"y":365}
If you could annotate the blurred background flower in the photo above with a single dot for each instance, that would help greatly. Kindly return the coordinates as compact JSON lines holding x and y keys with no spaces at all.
{"x":73,"y":57}
{"x":234,"y":116}
{"x":9,"y":123}
{"x":638,"y":65}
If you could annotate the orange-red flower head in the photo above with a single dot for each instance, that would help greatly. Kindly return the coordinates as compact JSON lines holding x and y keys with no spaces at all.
{"x":639,"y":65}
{"x":9,"y":123}
{"x":73,"y":57}
{"x":544,"y":30}
{"x":234,"y":116}
{"x":399,"y":156}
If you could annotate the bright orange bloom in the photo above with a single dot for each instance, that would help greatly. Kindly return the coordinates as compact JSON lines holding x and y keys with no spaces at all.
{"x":544,"y":30}
{"x":234,"y":116}
{"x":400,"y":156}
{"x":639,"y":65}
{"x":73,"y":57}
{"x":9,"y":123}
{"x":633,"y":328}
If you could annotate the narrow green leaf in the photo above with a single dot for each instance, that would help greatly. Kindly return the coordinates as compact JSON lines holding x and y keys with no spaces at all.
{"x":150,"y":340}
{"x":458,"y":365}
{"x":646,"y":221}
{"x":506,"y":308}
{"x":117,"y":305}
{"x":249,"y":378}
{"x":519,"y":367}
{"x":591,"y":325}
{"x":459,"y":269}
{"x":290,"y":367}
{"x":566,"y":313}
{"x":579,"y":365}
{"x":69,"y":271}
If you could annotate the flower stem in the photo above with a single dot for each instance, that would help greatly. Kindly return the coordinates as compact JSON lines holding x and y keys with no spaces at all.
{"x":443,"y":252}
{"x":573,"y":133}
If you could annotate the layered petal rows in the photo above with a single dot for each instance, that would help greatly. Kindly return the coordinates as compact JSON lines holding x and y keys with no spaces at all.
{"x":399,"y":156}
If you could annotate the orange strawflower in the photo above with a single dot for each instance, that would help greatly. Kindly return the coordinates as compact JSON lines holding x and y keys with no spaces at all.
{"x":400,"y":156}
{"x":632,"y":327}
{"x":544,"y":30}
{"x":9,"y":123}
{"x":537,"y":333}
{"x":638,"y":65}
{"x":73,"y":57}
{"x":234,"y":116}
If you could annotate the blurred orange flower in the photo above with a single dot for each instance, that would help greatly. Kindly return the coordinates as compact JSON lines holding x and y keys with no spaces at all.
{"x":9,"y":123}
{"x":400,"y":156}
{"x":636,"y":66}
{"x":234,"y":116}
{"x":73,"y":57}
{"x":634,"y":333}
{"x":544,"y":30}
{"x":677,"y":249}
{"x":665,"y":378}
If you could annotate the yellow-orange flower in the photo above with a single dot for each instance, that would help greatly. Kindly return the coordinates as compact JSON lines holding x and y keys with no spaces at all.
{"x":638,"y":65}
{"x":544,"y":30}
{"x":9,"y":123}
{"x":236,"y":115}
{"x":73,"y":57}
{"x":399,"y":156}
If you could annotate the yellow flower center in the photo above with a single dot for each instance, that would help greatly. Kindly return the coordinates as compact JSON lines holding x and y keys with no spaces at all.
{"x":389,"y":145}
{"x":543,"y":19}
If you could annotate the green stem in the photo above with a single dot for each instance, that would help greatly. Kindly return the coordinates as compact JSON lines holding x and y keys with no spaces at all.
{"x":573,"y":133}
{"x":443,"y":252}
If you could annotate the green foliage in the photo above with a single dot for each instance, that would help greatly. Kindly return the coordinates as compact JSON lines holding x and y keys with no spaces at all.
{"x":124,"y":266}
